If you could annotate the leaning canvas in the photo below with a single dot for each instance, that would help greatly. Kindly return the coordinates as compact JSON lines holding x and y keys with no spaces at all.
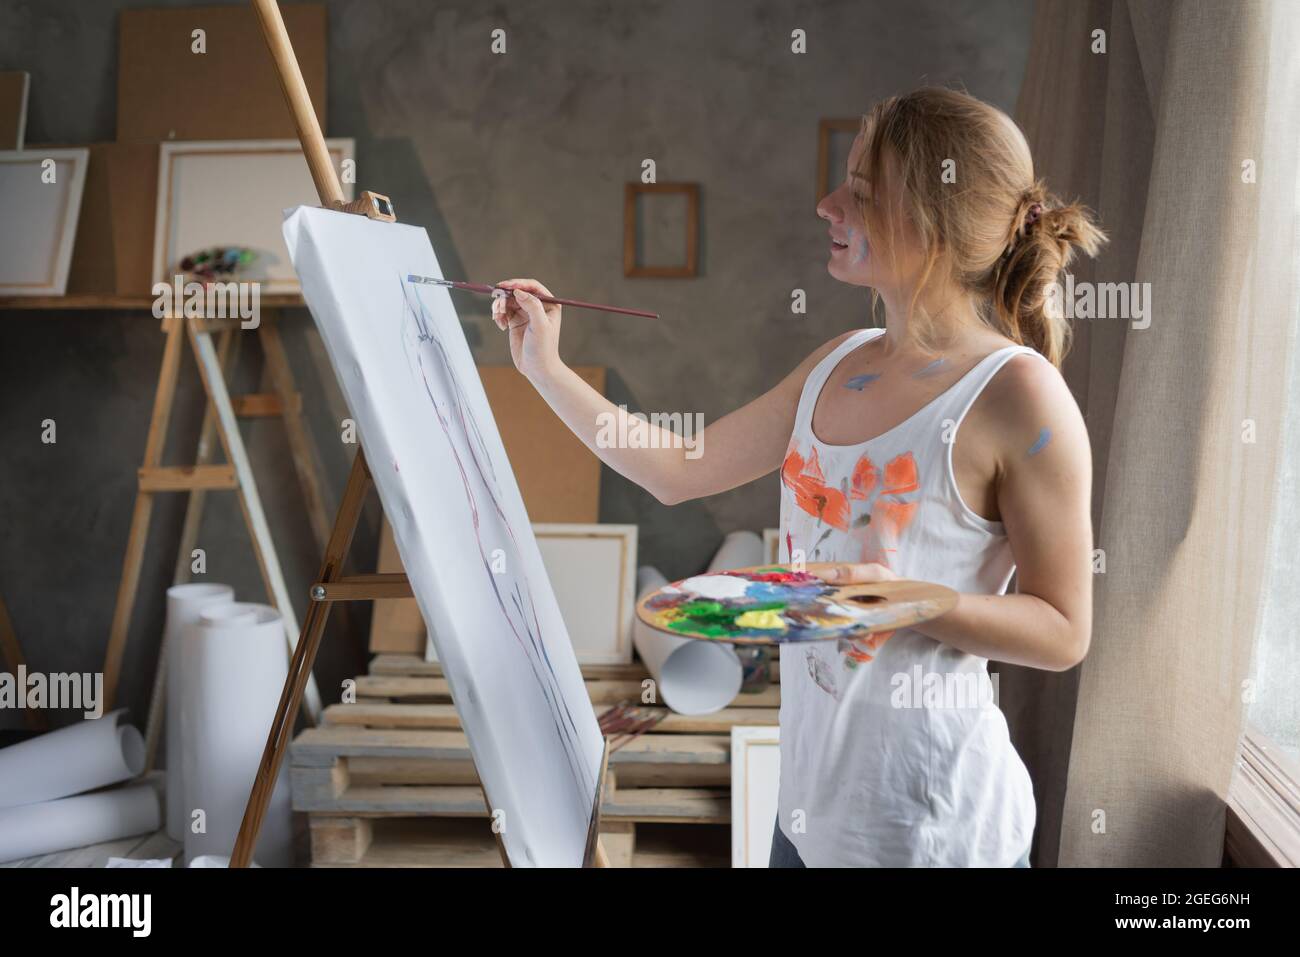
{"x":41,"y":190}
{"x":460,"y":525}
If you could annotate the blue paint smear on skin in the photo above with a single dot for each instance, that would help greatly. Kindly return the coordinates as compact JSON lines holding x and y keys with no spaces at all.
{"x":858,"y":243}
{"x":933,"y":368}
{"x":1044,"y":437}
{"x":860,"y":382}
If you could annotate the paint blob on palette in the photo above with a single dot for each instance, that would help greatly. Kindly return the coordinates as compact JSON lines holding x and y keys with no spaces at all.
{"x":773,"y":604}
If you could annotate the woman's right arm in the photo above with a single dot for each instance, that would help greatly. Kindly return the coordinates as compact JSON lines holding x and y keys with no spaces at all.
{"x":740,"y":447}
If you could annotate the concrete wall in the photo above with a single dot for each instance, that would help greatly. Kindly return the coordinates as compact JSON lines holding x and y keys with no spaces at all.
{"x":516,"y":164}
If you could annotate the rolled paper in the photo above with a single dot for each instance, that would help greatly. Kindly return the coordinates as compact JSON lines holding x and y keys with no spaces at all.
{"x":216,"y":861}
{"x":49,"y":826}
{"x":235,"y":671}
{"x":694,"y":677}
{"x":90,"y":754}
{"x":183,"y":605}
{"x":144,"y":863}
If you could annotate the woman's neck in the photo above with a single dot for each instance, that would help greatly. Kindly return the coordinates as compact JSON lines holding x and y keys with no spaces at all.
{"x":952,"y":322}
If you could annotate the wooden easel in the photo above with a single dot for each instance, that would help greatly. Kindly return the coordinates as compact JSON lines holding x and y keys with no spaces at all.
{"x":237,"y":475}
{"x":282,"y":401}
{"x":331,"y":584}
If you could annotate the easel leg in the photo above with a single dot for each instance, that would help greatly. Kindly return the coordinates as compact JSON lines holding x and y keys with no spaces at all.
{"x":306,"y":460}
{"x":226,"y":347}
{"x":304,"y":656}
{"x":249,"y":500}
{"x":302,"y":449}
{"x":126,"y":589}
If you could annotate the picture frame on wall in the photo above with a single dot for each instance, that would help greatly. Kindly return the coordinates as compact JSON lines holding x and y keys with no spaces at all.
{"x":633,"y":267}
{"x":41,"y":189}
{"x":232,"y":193}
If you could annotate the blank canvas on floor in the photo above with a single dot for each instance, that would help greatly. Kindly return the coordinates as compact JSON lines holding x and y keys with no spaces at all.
{"x":460,"y":525}
{"x":755,"y":781}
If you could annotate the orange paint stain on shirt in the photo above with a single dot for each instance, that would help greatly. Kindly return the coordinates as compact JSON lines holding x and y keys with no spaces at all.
{"x":811,"y":493}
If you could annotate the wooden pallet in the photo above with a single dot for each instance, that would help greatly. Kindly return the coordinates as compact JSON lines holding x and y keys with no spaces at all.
{"x":362,"y":842}
{"x":388,"y":781}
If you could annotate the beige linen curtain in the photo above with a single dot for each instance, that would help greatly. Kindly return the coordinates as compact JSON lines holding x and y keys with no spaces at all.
{"x":1132,"y":752}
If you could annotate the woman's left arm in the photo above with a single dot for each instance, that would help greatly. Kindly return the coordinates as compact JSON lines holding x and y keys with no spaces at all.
{"x":1044,"y":497}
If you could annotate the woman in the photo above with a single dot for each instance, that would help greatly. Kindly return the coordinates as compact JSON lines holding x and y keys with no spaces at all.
{"x":945,"y":447}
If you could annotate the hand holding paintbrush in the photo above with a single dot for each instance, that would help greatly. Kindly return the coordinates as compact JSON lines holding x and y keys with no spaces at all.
{"x":532,"y":316}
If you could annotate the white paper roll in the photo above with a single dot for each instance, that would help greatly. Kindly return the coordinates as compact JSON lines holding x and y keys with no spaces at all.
{"x":90,"y":754}
{"x":235,"y":671}
{"x":50,"y":826}
{"x":693,"y":676}
{"x":183,"y":605}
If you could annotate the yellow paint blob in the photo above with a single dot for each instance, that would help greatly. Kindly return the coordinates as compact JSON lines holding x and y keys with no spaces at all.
{"x":770,"y":619}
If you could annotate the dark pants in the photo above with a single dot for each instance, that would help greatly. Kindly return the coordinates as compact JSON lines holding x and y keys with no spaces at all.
{"x":783,"y":851}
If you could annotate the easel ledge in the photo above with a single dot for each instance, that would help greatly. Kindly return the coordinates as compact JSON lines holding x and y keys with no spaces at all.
{"x":331,"y":585}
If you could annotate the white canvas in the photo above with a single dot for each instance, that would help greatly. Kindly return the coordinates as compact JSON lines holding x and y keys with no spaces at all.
{"x":592,"y":568}
{"x":593,"y":571}
{"x":234,"y":193}
{"x":755,"y":780}
{"x":40,"y":218}
{"x":459,"y":523}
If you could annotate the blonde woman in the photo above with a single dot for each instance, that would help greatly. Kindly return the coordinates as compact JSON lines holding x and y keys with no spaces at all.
{"x":944,"y":447}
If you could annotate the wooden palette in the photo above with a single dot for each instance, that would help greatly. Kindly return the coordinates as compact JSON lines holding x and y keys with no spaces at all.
{"x":773,"y":605}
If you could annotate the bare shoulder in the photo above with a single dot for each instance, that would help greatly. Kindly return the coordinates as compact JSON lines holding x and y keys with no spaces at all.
{"x":829,"y":346}
{"x":1030,"y":415}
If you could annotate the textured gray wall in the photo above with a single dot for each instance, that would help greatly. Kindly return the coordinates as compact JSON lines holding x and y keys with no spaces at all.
{"x":516,"y":164}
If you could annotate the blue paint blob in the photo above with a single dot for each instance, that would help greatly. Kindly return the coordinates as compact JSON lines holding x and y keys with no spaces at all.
{"x":934,"y":367}
{"x":1044,"y":436}
{"x":860,"y":382}
{"x":858,"y":243}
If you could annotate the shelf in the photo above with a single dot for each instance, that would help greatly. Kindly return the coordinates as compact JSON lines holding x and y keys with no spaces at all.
{"x":96,"y":301}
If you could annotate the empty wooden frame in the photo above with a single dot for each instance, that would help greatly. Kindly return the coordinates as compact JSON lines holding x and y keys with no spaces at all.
{"x":826,"y":128}
{"x":690,"y":267}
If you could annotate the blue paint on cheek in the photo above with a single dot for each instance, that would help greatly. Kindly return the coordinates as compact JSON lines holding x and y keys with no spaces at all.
{"x":1044,"y":437}
{"x":860,"y":382}
{"x":858,"y":243}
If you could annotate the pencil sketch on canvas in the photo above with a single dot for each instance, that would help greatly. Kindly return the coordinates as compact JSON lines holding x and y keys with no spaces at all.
{"x":459,"y":524}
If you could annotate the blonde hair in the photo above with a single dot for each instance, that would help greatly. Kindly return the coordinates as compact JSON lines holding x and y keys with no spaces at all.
{"x":999,"y":233}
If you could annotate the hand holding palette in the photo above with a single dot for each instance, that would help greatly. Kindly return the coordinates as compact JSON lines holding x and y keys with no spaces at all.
{"x":771,"y":605}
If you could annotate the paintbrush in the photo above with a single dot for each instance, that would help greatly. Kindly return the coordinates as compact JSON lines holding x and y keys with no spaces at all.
{"x":504,"y":291}
{"x":630,"y":720}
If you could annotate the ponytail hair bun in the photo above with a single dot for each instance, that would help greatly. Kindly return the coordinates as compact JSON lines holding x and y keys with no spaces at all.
{"x":1044,"y":237}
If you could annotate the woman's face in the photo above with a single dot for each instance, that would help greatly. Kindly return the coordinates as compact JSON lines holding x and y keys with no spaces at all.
{"x":852,"y":259}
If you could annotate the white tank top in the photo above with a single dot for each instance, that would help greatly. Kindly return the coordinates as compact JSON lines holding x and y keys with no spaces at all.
{"x":892,"y":752}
